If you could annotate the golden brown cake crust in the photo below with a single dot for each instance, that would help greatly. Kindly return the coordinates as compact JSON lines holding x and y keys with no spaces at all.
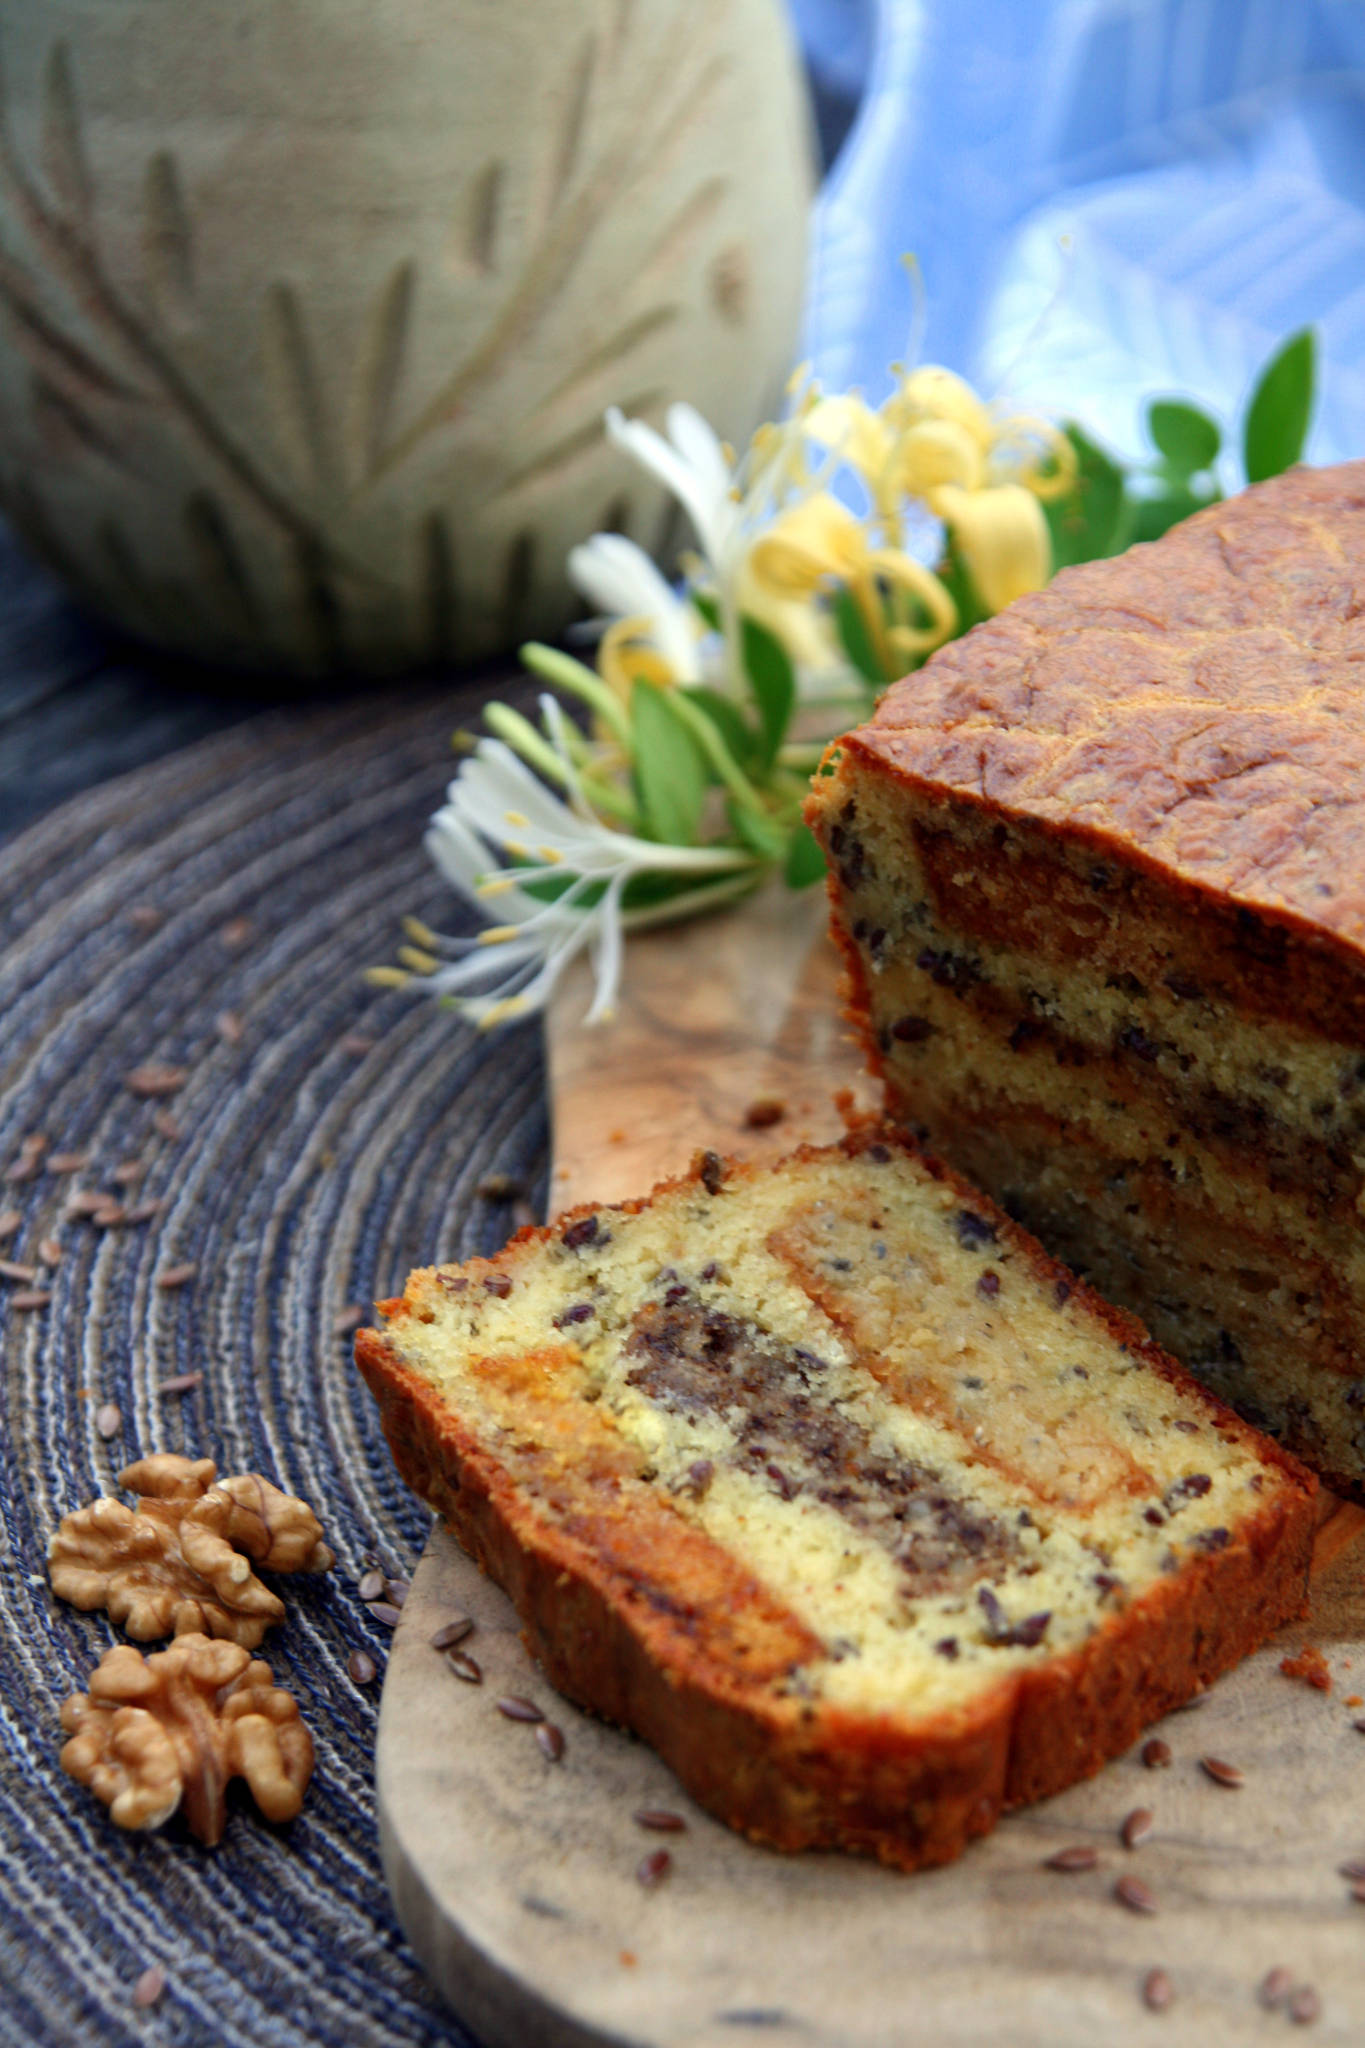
{"x":617,"y":1635}
{"x":1195,"y":704}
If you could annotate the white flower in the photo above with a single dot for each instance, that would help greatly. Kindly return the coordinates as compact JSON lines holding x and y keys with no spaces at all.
{"x":691,"y":464}
{"x":511,"y":969}
{"x":618,"y":577}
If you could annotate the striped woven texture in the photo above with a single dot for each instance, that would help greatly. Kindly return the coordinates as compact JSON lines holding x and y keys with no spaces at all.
{"x":252,"y":875}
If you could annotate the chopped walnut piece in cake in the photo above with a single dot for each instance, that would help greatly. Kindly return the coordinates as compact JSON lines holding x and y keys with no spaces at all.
{"x":181,"y":1560}
{"x":164,"y":1733}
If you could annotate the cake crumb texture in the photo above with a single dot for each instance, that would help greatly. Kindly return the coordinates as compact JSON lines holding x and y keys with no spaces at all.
{"x":827,"y":1481}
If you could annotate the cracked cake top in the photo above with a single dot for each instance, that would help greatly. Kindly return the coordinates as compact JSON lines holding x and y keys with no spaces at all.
{"x":1200,"y":700}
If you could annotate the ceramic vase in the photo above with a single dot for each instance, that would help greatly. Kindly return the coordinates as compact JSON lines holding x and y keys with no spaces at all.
{"x":311,"y":308}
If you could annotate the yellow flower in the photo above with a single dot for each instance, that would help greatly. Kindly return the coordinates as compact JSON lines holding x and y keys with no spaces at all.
{"x":627,"y":653}
{"x":934,"y":393}
{"x":932,"y":453}
{"x":813,"y":538}
{"x":818,"y":540}
{"x":1034,"y":453}
{"x":1002,"y":537}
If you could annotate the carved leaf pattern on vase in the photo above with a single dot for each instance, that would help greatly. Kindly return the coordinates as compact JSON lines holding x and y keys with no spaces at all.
{"x":351,"y":449}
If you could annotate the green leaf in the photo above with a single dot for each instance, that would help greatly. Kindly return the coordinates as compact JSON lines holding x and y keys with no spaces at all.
{"x":729,"y":721}
{"x":768,"y":667}
{"x":1154,"y":516}
{"x":705,"y":604}
{"x":1187,"y":437}
{"x":670,"y":774}
{"x":855,"y":639}
{"x":956,"y":578}
{"x":805,"y":862}
{"x":1281,"y":407}
{"x":1093,"y":519}
{"x":761,"y":834}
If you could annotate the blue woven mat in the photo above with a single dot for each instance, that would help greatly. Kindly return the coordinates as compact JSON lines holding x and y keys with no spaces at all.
{"x":253,"y":874}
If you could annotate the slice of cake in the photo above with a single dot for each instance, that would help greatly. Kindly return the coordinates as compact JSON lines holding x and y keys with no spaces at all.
{"x":1099,"y":873}
{"x":827,"y":1481}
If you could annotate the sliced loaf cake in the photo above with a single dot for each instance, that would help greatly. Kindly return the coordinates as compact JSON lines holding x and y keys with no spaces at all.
{"x":826,"y":1480}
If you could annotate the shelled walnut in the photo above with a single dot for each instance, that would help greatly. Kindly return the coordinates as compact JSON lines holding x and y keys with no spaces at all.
{"x":166,"y":1732}
{"x":182,"y":1559}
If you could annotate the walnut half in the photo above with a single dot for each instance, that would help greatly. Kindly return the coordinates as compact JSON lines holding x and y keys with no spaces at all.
{"x":169,"y":1731}
{"x":181,"y":1561}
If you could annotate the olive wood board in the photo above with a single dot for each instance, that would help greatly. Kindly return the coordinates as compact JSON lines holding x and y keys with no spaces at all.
{"x":514,"y":1876}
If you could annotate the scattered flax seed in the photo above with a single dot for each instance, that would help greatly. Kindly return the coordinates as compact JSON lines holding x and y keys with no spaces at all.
{"x":397,"y":1590}
{"x":768,"y":1110}
{"x":1354,"y":1869}
{"x":653,"y":1869}
{"x":10,"y":1219}
{"x":165,"y":1126}
{"x":236,"y":933}
{"x":1080,"y":1857}
{"x":11,"y":1269}
{"x":1135,"y":1895}
{"x":500,"y":1187}
{"x":1157,"y":1991}
{"x":149,"y":1986}
{"x":49,"y":1251}
{"x":464,"y":1666}
{"x":1305,"y":2006}
{"x":67,"y":1162}
{"x":1358,"y":1891}
{"x":1156,"y":1754}
{"x":361,"y":1667}
{"x":1227,"y":1775}
{"x":385,"y":1613}
{"x":128,"y":1172}
{"x":109,"y":1215}
{"x":143,"y":1212}
{"x":660,"y":1820}
{"x":229,"y":1027}
{"x":86,"y":1202}
{"x":24,"y":1168}
{"x":357,"y":1044}
{"x":183,"y":1383}
{"x":1276,"y":1986}
{"x":348,"y":1319}
{"x":1137,"y":1826}
{"x":370,"y":1585}
{"x":145,"y":917}
{"x":30,"y":1297}
{"x":1311,"y":1666}
{"x":108,"y":1420}
{"x":452,"y":1632}
{"x":551,"y":1740}
{"x":156,"y":1077}
{"x":1359,"y":1727}
{"x":515,"y":1708}
{"x":176,"y":1276}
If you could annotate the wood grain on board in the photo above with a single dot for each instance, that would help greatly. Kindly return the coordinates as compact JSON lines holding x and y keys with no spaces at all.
{"x":514,"y":1876}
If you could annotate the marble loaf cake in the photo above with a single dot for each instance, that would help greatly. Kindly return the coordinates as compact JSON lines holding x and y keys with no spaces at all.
{"x":827,"y":1481}
{"x":1099,"y":874}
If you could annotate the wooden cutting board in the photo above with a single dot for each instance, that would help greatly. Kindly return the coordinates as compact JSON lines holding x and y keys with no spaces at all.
{"x":514,"y":1876}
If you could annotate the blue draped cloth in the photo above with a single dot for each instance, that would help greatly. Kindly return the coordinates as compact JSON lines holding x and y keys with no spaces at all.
{"x":1108,"y":199}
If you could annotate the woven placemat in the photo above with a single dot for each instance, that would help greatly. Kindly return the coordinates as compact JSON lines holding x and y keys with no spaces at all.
{"x":214,"y":912}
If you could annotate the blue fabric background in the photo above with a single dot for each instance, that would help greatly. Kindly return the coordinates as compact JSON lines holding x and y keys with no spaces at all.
{"x":1108,"y":198}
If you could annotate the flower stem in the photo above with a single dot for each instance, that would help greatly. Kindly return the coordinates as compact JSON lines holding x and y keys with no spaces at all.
{"x":584,"y":683}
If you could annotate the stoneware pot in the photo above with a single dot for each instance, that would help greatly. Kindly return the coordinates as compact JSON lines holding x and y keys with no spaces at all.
{"x":311,"y":308}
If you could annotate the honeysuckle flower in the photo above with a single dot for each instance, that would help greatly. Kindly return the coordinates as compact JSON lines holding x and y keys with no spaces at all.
{"x":511,"y":968}
{"x":692,"y":464}
{"x":1002,"y":537}
{"x":617,"y":577}
{"x":818,"y":542}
